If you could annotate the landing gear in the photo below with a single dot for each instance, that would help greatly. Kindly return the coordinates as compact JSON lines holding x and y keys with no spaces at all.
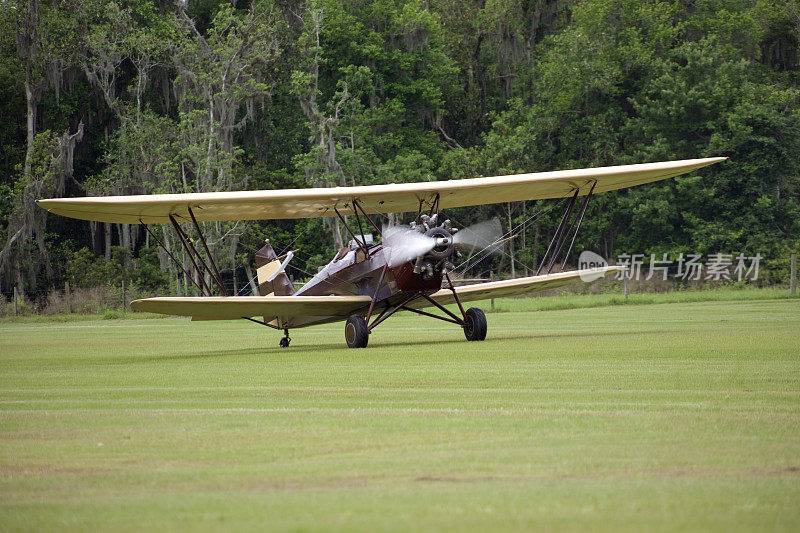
{"x":475,"y":324}
{"x":285,"y":340}
{"x":356,"y":332}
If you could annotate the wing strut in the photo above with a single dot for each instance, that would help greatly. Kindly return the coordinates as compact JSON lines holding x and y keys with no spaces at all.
{"x":361,"y":242}
{"x":192,"y":252}
{"x":177,"y":263}
{"x":562,"y":233}
{"x":580,"y":221}
{"x":557,"y":235}
{"x":217,"y":278}
{"x":261,"y":322}
{"x":358,"y":207}
{"x":434,"y":206}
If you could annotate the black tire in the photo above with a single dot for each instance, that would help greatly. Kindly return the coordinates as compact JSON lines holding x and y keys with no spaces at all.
{"x":475,"y":328}
{"x":356,"y":333}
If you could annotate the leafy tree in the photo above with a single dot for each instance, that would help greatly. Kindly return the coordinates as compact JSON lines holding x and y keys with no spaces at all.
{"x":148,"y":275}
{"x":122,"y":97}
{"x":85,"y":269}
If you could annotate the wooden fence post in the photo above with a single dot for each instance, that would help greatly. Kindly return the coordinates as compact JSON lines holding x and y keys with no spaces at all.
{"x":16,"y":312}
{"x":68,"y":297}
{"x":625,"y":283}
{"x":491,"y":277}
{"x":793,"y":275}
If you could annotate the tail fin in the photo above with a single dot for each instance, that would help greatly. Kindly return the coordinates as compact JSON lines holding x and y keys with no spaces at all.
{"x":267,"y":264}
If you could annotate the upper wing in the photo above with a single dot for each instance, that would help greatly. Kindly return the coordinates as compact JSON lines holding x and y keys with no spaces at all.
{"x":393,"y":198}
{"x":515,"y":287}
{"x":229,"y":308}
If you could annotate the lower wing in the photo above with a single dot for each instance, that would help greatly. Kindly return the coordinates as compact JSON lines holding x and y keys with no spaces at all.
{"x":518,"y":286}
{"x":282,"y":308}
{"x":301,"y":310}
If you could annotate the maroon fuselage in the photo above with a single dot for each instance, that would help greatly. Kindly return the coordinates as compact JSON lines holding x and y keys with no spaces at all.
{"x":357,"y":273}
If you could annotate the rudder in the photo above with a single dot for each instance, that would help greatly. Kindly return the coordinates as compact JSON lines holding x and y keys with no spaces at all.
{"x":267,"y":264}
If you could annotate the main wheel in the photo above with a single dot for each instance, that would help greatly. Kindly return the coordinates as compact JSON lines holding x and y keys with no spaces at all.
{"x":355,"y":332}
{"x":285,"y":340}
{"x":475,"y":328}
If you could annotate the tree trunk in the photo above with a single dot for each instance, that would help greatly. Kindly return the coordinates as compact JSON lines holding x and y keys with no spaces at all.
{"x":30,"y":96}
{"x":31,"y":111}
{"x":107,"y":226}
{"x":251,"y":279}
{"x":97,"y":244}
{"x":125,"y":236}
{"x":333,"y":225}
{"x":20,"y":283}
{"x":135,"y":230}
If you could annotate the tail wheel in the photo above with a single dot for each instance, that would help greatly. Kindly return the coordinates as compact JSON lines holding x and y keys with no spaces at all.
{"x":475,"y":327}
{"x":355,"y":332}
{"x":285,"y":340}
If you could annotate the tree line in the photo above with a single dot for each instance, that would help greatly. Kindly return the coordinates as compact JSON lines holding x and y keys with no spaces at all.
{"x":103,"y":97}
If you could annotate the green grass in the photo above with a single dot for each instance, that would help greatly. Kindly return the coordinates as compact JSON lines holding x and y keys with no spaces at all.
{"x":668,"y":416}
{"x":568,"y":300}
{"x":108,"y":314}
{"x":563,"y":300}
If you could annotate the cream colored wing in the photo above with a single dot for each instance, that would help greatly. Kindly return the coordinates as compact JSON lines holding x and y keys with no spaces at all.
{"x":393,"y":198}
{"x":518,"y":286}
{"x":230,"y":308}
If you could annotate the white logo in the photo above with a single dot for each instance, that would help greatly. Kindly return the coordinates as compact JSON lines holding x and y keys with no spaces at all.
{"x":590,"y":261}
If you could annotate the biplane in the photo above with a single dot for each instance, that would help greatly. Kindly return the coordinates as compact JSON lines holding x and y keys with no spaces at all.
{"x":394,"y":269}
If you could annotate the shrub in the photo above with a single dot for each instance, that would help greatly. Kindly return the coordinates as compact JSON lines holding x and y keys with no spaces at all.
{"x":85,"y":269}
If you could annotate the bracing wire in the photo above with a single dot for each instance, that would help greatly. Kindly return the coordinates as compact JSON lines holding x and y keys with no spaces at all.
{"x":485,"y":252}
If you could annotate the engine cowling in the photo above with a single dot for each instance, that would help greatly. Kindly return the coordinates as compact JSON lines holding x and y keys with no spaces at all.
{"x":444,"y":247}
{"x":437,"y":260}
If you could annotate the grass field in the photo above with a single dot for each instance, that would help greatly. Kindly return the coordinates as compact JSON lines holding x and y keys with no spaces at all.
{"x":541,"y":302}
{"x":667,"y":416}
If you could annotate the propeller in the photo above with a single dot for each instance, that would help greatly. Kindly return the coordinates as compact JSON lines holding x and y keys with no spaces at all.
{"x":407,"y":243}
{"x":481,"y":236}
{"x":403,"y":244}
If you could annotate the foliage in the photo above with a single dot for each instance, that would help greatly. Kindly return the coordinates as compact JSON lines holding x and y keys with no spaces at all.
{"x":84,"y":269}
{"x":206,"y":96}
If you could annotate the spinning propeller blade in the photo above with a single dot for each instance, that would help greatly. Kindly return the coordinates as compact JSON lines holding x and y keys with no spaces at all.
{"x":480,"y":236}
{"x":403,"y":244}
